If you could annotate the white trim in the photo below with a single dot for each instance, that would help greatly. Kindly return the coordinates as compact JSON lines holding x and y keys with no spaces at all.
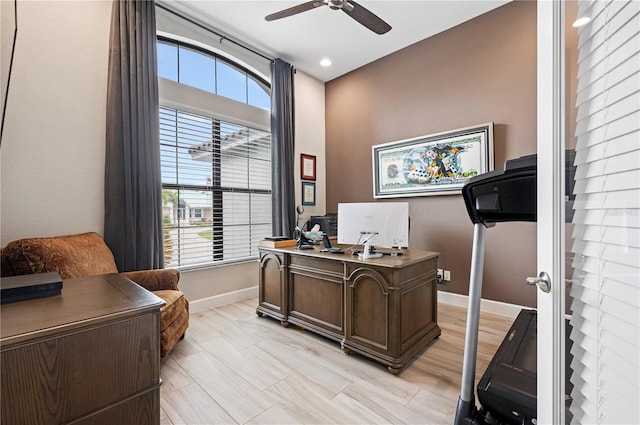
{"x":190,"y":99}
{"x":487,"y":306}
{"x":222,"y":299}
{"x":550,"y":211}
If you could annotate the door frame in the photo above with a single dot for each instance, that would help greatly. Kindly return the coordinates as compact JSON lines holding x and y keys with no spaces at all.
{"x":550,"y":214}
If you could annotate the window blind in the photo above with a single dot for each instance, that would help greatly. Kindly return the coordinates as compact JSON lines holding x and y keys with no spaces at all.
{"x":216,"y":179}
{"x":606,"y":281}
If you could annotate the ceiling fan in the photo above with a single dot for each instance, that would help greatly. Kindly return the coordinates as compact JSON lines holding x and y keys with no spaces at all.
{"x":350,"y":7}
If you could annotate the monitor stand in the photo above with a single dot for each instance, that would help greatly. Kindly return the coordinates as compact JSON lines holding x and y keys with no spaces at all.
{"x":366,"y":252}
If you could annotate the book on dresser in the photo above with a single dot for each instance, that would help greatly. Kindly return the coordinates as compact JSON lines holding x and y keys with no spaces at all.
{"x":30,"y":286}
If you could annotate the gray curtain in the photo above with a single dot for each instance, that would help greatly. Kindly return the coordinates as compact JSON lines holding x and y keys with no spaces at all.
{"x":282,"y":142}
{"x":133,"y":201}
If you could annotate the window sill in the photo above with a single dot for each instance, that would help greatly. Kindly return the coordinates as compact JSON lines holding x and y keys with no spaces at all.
{"x":197,"y":267}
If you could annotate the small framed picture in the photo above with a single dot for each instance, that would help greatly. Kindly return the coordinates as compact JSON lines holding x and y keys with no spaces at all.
{"x":308,"y":193}
{"x":307,"y":167}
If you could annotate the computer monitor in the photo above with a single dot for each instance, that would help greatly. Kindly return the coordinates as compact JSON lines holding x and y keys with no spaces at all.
{"x":385,"y":224}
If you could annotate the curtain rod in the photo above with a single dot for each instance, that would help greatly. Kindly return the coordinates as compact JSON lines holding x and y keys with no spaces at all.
{"x":222,"y":36}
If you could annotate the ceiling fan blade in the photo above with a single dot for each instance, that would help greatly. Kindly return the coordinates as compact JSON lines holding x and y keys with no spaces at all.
{"x":365,"y":17}
{"x":294,"y":10}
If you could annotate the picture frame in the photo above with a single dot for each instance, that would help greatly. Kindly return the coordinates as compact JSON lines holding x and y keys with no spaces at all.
{"x":436,"y":164}
{"x":308,"y":193}
{"x":307,"y":167}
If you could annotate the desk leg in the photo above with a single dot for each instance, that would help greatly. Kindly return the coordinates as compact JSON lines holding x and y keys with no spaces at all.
{"x":393,"y":370}
{"x":345,"y":349}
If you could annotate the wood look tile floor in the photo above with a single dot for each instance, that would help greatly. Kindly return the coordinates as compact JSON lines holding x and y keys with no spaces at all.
{"x":234,"y":367}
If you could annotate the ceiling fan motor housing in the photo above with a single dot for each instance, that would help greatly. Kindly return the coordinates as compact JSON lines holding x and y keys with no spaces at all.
{"x":338,"y":4}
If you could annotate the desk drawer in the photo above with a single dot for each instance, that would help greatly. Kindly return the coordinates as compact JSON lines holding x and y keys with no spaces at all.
{"x":58,"y":379}
{"x":317,"y":265}
{"x":316,"y":302}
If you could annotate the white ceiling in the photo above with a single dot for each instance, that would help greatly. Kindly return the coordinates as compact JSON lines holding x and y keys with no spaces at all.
{"x":306,"y":38}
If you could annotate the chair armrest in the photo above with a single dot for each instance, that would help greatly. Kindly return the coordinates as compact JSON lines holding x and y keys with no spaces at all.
{"x":156,"y":279}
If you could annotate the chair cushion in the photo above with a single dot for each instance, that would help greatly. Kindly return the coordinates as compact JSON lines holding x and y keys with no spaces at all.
{"x":71,"y":256}
{"x":175,"y":304}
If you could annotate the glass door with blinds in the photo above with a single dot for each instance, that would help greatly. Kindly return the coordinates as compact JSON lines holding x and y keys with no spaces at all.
{"x":589,"y":230}
{"x":606,"y":225}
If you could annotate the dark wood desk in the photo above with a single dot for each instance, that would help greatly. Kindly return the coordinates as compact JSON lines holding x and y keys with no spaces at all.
{"x":89,"y":355}
{"x":383,"y":308}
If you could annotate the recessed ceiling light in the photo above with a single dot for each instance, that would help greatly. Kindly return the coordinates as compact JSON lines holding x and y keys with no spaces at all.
{"x":581,"y":22}
{"x":325,"y":62}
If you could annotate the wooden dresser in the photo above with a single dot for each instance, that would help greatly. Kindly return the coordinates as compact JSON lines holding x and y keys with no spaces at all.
{"x":90,"y":355}
{"x":383,"y":308}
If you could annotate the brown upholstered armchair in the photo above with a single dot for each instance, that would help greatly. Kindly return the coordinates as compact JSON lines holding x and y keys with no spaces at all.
{"x":87,"y":254}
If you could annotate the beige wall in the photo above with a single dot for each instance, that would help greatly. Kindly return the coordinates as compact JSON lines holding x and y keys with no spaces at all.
{"x":481,"y":71}
{"x":310,"y":137}
{"x":53,"y":143}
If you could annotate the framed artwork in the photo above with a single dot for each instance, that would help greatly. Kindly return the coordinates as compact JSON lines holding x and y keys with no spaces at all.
{"x":307,"y":167}
{"x":437,"y":164}
{"x":308,"y":193}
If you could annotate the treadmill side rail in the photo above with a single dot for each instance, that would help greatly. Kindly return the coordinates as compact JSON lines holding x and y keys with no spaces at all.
{"x":466,"y":404}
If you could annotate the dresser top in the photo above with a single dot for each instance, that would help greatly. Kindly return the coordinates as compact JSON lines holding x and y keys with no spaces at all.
{"x":85,"y":301}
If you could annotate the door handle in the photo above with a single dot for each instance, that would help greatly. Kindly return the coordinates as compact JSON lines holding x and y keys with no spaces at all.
{"x":542,"y":281}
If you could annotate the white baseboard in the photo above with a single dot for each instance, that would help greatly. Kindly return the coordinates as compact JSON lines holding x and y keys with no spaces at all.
{"x":222,"y":299}
{"x":489,"y":306}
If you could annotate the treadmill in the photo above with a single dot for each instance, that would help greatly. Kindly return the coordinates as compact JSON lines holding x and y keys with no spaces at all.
{"x":507,"y":391}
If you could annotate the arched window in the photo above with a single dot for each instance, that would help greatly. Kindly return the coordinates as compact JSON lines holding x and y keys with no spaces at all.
{"x":215,"y":145}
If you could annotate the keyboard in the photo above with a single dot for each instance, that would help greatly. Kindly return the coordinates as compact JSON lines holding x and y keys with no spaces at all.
{"x":333,"y":250}
{"x":380,"y":251}
{"x":385,"y":252}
